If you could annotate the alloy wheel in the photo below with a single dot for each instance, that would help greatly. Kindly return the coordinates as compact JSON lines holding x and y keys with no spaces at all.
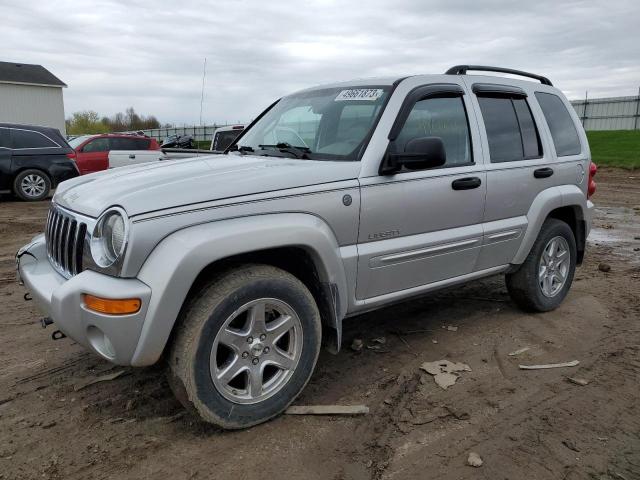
{"x":553,"y":267}
{"x":33,"y":185}
{"x":256,"y":351}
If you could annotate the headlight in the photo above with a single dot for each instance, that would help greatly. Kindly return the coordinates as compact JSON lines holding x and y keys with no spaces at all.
{"x":109,"y":238}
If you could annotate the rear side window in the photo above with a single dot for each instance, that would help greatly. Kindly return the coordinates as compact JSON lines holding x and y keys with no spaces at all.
{"x":445,"y":118}
{"x":121,"y":143}
{"x":30,"y":139}
{"x":563,"y":130}
{"x":511,"y":130}
{"x":142,"y":143}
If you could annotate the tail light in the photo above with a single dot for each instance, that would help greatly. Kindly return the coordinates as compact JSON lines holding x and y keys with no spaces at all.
{"x":72,"y":155}
{"x":591,"y":186}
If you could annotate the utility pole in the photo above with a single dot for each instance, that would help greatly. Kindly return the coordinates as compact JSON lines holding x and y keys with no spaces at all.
{"x":635,"y":122}
{"x":584,"y":112}
{"x":204,"y":74}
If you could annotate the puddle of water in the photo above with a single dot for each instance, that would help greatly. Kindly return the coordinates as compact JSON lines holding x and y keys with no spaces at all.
{"x":624,"y":234}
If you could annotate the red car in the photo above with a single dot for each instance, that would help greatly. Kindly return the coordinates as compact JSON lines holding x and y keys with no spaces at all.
{"x":92,"y":151}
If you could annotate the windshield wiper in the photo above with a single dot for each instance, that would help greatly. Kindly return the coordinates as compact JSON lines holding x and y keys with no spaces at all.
{"x":298,"y":152}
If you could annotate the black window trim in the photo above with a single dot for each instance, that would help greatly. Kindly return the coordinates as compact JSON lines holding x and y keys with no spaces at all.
{"x":535,"y":126}
{"x":57,"y":145}
{"x":491,"y":89}
{"x":507,"y":91}
{"x":424,"y":92}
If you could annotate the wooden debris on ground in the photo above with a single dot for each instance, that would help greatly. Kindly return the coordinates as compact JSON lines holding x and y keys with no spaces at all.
{"x":573,"y":363}
{"x":327,"y":410}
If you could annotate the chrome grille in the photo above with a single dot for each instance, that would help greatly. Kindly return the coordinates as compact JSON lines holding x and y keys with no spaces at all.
{"x":65,"y":242}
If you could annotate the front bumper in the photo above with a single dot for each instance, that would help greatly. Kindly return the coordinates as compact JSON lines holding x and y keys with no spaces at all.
{"x":113,"y":337}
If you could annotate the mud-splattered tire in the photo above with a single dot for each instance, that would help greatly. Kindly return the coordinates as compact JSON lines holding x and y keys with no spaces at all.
{"x":543,"y":280}
{"x":246,"y":345}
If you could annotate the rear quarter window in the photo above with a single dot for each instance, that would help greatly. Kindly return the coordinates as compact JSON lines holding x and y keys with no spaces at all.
{"x":5,"y":141}
{"x":29,"y":139}
{"x":563,"y":130}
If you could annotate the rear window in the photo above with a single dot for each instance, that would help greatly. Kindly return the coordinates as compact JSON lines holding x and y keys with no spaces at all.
{"x":511,"y":130}
{"x":30,"y":139}
{"x":563,"y":130}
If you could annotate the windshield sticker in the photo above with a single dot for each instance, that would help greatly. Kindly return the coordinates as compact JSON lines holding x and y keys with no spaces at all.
{"x":367,"y":94}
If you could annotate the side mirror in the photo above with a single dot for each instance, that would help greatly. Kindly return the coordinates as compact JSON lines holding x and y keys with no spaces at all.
{"x":419,"y":154}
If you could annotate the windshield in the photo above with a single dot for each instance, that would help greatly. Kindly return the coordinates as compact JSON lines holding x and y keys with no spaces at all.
{"x":324,"y":124}
{"x":75,"y":142}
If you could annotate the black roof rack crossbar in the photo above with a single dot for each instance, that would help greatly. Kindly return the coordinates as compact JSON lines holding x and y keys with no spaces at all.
{"x":462,"y":70}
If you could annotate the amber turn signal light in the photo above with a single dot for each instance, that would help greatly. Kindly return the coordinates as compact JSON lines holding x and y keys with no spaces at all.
{"x":121,"y":306}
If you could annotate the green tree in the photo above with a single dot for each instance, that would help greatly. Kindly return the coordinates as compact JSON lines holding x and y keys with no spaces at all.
{"x":88,"y":122}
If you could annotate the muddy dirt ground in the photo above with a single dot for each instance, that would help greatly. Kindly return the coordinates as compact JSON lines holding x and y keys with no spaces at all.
{"x":524,"y":424}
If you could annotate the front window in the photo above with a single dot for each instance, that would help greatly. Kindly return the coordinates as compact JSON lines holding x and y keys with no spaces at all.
{"x":98,"y":145}
{"x":324,"y":124}
{"x":76,"y":142}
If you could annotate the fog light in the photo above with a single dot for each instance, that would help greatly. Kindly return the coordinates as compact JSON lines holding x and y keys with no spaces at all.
{"x":121,"y":306}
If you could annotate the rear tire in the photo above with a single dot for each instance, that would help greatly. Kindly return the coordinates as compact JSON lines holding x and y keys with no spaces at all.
{"x":245,"y":346}
{"x":542,"y":282}
{"x":32,"y":185}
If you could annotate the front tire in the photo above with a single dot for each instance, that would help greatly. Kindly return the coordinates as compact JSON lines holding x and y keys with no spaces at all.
{"x":245,"y":346}
{"x":542,"y":282}
{"x":32,"y":185}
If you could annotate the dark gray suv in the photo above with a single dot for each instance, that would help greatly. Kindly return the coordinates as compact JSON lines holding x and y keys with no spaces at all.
{"x":33,"y":160}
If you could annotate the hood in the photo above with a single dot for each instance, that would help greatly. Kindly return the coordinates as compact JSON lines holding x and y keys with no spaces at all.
{"x":170,"y":183}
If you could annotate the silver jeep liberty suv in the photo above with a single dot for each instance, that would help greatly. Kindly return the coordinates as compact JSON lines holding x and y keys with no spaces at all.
{"x":336,"y":200}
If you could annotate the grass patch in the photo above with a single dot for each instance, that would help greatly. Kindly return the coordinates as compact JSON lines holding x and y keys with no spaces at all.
{"x":615,"y":148}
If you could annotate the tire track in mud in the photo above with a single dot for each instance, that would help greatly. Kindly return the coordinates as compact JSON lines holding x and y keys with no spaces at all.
{"x":385,"y":425}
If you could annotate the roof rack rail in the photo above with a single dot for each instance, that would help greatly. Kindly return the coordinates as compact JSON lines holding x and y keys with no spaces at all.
{"x":462,"y":70}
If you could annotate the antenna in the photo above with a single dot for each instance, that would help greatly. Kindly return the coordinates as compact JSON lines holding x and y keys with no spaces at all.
{"x":204,"y":74}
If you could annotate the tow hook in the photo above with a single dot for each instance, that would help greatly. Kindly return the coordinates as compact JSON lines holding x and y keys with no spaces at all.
{"x":27,"y":297}
{"x":58,"y":335}
{"x":45,"y":321}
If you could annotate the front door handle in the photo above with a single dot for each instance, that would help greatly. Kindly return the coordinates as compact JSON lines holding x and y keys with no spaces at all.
{"x":132,"y":156}
{"x":543,"y":172}
{"x":466,"y":183}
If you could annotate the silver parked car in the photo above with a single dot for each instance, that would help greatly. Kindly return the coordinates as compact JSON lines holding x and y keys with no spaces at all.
{"x":336,"y":200}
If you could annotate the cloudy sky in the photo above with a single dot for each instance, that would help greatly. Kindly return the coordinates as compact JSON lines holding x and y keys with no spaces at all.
{"x":149,"y":54}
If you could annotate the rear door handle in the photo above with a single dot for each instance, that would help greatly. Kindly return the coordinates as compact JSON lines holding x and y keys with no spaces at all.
{"x":466,"y":183}
{"x":132,"y":156}
{"x":543,"y":172}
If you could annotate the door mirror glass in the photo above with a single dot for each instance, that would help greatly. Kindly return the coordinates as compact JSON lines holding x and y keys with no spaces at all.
{"x":419,"y":154}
